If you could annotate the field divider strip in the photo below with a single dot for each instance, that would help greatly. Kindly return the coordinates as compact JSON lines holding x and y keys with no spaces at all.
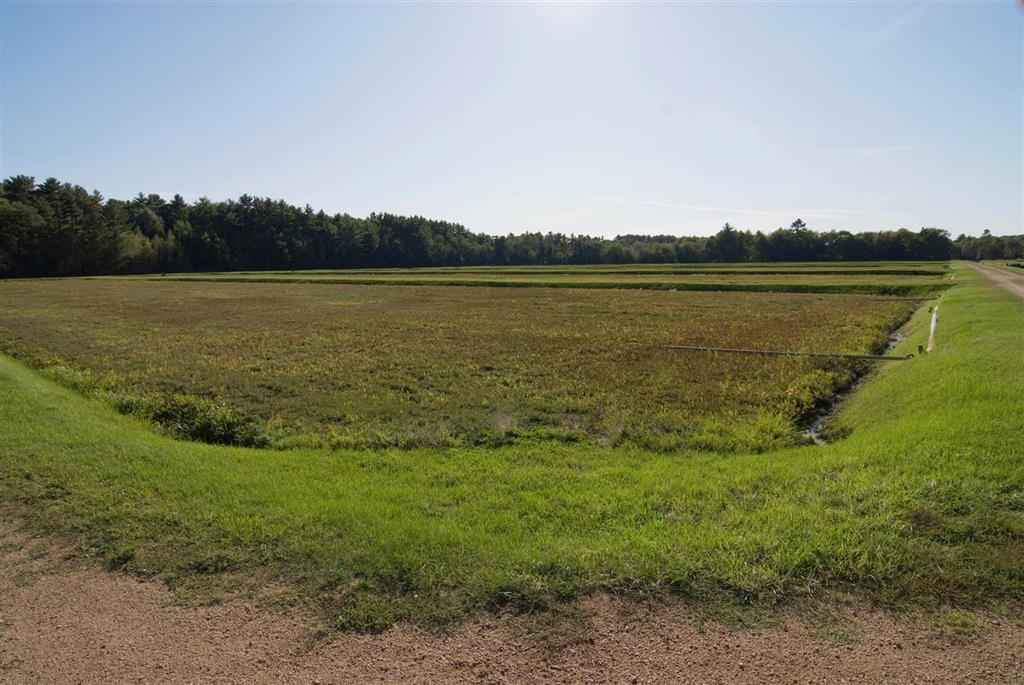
{"x":663,"y":286}
{"x":901,"y":299}
{"x":786,"y":353}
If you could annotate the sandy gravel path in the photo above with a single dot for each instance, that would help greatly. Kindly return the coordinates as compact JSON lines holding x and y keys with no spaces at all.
{"x":64,"y":621}
{"x":1005,"y":280}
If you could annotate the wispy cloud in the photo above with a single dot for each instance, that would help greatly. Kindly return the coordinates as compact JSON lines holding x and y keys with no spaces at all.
{"x":893,"y":27}
{"x":781,"y":212}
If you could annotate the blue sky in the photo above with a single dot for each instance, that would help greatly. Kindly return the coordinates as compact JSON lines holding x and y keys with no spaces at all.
{"x":582,"y":118}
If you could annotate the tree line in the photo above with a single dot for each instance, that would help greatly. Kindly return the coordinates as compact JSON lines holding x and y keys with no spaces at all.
{"x":60,"y":229}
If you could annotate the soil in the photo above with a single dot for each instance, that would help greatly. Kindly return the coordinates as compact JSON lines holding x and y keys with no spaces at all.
{"x":63,"y":620}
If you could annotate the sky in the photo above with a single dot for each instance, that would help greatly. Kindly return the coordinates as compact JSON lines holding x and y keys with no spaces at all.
{"x":598,"y":119}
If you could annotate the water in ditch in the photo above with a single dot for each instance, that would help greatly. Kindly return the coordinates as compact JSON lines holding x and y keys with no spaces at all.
{"x":814,"y":430}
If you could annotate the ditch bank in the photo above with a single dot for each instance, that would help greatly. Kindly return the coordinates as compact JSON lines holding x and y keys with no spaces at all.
{"x":815,"y":431}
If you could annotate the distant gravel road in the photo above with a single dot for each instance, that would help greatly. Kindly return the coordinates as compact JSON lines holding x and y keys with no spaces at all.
{"x":1004,"y":279}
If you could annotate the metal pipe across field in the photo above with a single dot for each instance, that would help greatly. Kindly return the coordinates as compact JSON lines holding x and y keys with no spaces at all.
{"x":784,"y":353}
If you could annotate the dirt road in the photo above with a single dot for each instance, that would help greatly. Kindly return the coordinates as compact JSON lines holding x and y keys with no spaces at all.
{"x":62,"y":620}
{"x":1005,"y":280}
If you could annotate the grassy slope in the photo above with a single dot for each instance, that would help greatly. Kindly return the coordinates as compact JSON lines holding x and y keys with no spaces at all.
{"x":922,"y":502}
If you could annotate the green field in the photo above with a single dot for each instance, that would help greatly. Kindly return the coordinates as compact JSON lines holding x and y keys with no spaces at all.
{"x":918,"y":501}
{"x":380,"y":366}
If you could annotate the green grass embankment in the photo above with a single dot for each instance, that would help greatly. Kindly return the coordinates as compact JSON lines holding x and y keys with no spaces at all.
{"x":921,"y":504}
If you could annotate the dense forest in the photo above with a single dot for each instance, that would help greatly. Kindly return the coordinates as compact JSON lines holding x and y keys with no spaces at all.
{"x":60,"y":229}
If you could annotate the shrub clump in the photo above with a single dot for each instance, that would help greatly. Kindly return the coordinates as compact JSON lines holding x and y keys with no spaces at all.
{"x":183,"y":416}
{"x":193,"y":418}
{"x":814,"y":391}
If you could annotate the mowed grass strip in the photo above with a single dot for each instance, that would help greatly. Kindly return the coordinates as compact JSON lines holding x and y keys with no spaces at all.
{"x":783,"y":282}
{"x":752,"y":268}
{"x":920,"y":505}
{"x":384,"y":366}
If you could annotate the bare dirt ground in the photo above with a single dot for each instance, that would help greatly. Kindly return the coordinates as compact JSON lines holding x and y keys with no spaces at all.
{"x":1005,"y":280}
{"x":62,"y":620}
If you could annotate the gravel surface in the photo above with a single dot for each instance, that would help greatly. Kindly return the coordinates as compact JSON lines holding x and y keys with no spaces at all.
{"x":62,"y":620}
{"x":1005,"y":280}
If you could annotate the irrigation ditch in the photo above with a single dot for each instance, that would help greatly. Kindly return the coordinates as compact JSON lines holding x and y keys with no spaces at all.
{"x":814,"y":430}
{"x":817,"y":424}
{"x":819,"y":418}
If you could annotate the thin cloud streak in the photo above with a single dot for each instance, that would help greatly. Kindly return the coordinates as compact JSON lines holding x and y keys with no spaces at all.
{"x":730,"y":210}
{"x":894,"y":26}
